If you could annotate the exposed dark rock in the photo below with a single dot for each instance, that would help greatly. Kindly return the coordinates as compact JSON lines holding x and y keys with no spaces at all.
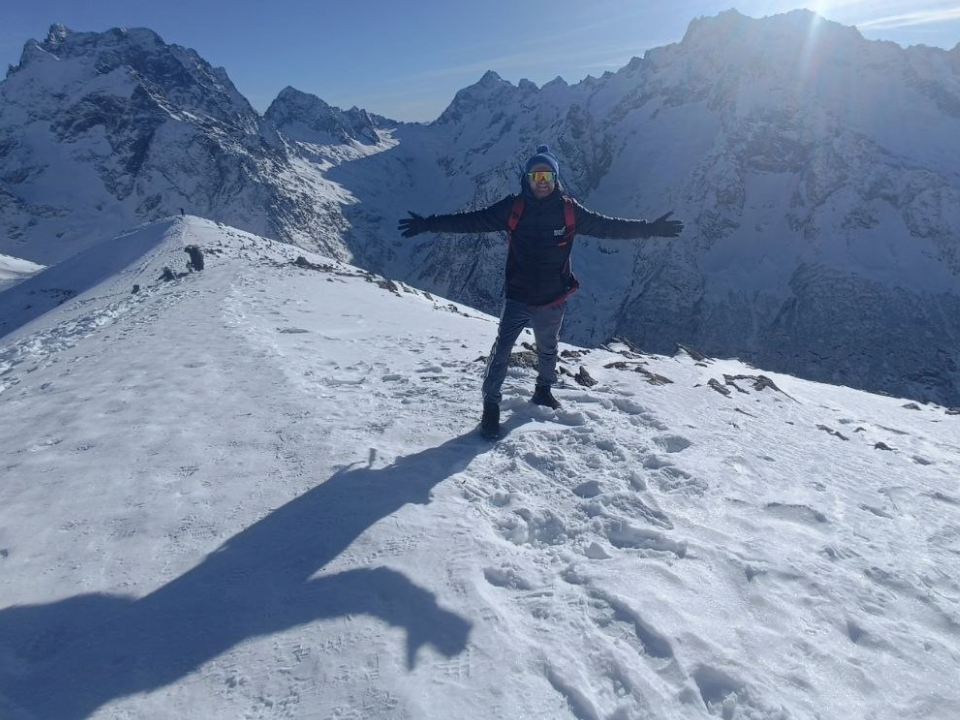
{"x":524,"y":359}
{"x":196,"y":257}
{"x":715,"y":384}
{"x":584,"y":378}
{"x":831,"y":431}
{"x":654,"y":378}
{"x":698,"y":357}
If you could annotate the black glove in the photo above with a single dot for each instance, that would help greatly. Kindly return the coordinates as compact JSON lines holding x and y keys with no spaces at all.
{"x":661,"y":227}
{"x":413,"y":225}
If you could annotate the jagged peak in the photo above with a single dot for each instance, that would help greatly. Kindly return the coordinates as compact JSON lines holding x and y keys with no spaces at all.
{"x":475,"y":95}
{"x":490,"y":78}
{"x":292,"y":95}
{"x":303,"y":116}
{"x":57,"y":34}
{"x":310,"y":103}
{"x":489,"y":82}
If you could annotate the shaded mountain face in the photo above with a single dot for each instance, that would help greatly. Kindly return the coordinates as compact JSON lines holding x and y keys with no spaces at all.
{"x":816,"y":173}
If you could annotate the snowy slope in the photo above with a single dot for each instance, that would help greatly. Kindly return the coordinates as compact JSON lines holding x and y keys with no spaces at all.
{"x":15,"y":270}
{"x":257,"y":491}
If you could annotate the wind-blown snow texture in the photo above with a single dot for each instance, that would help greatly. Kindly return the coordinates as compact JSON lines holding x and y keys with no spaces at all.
{"x":816,"y":172}
{"x":258,"y":491}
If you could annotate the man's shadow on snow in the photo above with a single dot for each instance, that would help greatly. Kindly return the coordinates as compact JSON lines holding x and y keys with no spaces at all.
{"x":65,"y":659}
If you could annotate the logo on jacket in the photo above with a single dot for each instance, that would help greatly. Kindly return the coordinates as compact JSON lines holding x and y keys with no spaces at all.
{"x":560,"y":233}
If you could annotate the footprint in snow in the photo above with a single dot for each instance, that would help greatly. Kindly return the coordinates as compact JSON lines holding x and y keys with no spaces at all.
{"x":877,"y":511}
{"x":523,"y":527}
{"x":622,"y":622}
{"x":624,"y":536}
{"x":839,"y":553}
{"x":797,"y":513}
{"x":672,"y":443}
{"x":944,"y":498}
{"x":508,"y":577}
{"x":718,"y":690}
{"x":633,"y":507}
{"x":671,"y":479}
{"x":589,"y":489}
{"x":434,"y":369}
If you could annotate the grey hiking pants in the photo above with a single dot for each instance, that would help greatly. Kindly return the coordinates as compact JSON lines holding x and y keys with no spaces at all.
{"x":516,"y":316}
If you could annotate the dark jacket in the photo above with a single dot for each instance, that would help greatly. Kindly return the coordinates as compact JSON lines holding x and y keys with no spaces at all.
{"x":538,"y":265}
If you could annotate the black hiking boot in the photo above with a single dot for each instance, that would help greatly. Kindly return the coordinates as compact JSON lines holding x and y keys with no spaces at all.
{"x":543,"y":396}
{"x":490,"y":422}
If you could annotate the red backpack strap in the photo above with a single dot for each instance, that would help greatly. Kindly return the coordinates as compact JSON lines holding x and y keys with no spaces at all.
{"x":569,"y":220}
{"x":515,"y":212}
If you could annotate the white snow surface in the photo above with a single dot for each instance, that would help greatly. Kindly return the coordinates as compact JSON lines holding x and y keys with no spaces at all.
{"x":257,"y":491}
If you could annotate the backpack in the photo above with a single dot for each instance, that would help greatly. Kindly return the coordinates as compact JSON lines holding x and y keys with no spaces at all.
{"x":569,"y":219}
{"x":570,"y":229}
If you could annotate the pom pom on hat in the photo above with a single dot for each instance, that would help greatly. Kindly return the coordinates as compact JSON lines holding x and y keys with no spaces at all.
{"x":545,"y":157}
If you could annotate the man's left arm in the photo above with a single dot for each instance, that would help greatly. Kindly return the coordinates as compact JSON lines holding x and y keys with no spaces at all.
{"x":603,"y":226}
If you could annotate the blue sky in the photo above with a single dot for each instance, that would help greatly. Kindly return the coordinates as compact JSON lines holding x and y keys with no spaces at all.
{"x":406,"y":60}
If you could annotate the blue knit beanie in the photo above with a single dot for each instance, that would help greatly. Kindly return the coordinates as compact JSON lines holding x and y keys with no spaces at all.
{"x":543,"y":156}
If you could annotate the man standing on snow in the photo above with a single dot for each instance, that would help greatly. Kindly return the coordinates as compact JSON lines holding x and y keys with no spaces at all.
{"x":541,"y":222}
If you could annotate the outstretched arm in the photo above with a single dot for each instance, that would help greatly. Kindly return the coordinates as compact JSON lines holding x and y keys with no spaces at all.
{"x":604,"y":226}
{"x":488,"y":219}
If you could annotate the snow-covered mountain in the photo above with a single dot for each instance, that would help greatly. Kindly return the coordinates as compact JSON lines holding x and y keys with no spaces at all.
{"x":257,"y":490}
{"x":300,"y":116}
{"x":101,"y":131}
{"x":816,"y":172}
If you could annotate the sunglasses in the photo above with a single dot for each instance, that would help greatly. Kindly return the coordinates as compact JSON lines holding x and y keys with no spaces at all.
{"x":542,"y":176}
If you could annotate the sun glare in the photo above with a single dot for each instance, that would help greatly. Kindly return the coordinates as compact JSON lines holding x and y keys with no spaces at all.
{"x":807,"y":54}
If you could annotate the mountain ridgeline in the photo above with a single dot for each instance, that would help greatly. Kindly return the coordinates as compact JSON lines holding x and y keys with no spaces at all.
{"x":818,"y":175}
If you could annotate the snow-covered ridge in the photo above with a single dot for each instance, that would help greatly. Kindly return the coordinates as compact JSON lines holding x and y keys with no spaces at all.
{"x":257,"y":488}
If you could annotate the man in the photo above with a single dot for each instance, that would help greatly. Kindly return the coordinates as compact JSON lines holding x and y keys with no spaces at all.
{"x":541,"y":222}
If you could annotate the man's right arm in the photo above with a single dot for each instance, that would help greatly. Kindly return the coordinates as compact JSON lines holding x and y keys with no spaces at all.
{"x":489,"y":219}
